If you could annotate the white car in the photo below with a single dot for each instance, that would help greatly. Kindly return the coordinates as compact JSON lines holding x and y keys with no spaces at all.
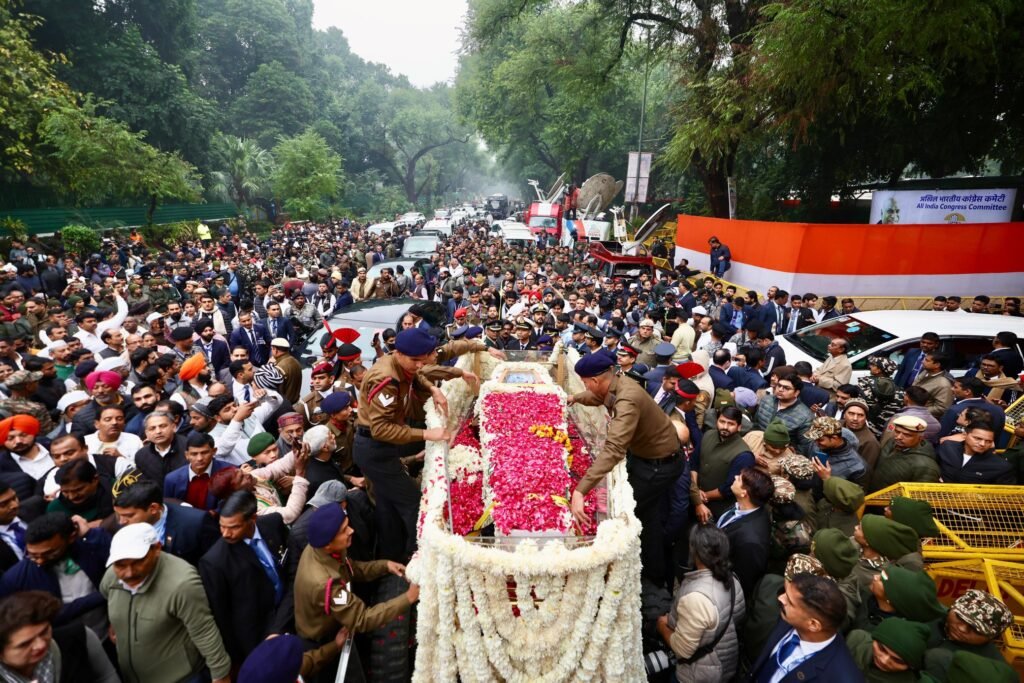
{"x":411,"y":218}
{"x":964,"y":336}
{"x":381,"y":229}
{"x":440,"y":225}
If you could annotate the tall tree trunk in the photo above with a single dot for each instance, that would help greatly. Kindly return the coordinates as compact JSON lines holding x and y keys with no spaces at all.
{"x":151,"y":209}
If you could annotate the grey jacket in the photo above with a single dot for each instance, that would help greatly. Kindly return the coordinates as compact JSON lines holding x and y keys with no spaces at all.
{"x":720,"y":664}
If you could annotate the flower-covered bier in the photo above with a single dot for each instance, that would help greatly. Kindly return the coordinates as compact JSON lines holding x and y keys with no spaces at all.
{"x":526,"y":468}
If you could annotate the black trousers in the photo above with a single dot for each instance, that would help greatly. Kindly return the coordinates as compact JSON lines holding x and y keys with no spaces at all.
{"x":398,"y":496}
{"x":651,"y":482}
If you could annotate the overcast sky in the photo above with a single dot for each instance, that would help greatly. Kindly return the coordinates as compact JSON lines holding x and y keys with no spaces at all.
{"x":418,"y":38}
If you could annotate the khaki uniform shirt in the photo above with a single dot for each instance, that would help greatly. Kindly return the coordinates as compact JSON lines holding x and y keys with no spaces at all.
{"x":646,"y":349}
{"x":387,"y":398}
{"x":324,"y":600}
{"x":308,"y":407}
{"x":629,"y":405}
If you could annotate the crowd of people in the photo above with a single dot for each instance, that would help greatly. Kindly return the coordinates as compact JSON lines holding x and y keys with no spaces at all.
{"x":187,"y":495}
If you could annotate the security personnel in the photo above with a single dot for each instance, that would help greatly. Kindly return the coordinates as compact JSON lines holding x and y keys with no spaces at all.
{"x":321,"y":381}
{"x":324,"y":599}
{"x":524,"y":338}
{"x":383,"y":435}
{"x":338,"y":408}
{"x":655,"y":458}
{"x":349,"y":356}
{"x":492,"y":338}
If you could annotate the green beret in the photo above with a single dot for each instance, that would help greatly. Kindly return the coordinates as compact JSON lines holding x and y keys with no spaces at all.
{"x":917,"y":514}
{"x":259,"y":443}
{"x":967,"y":667}
{"x":73,"y":300}
{"x":843,"y":494}
{"x":836,"y":552}
{"x":908,"y":639}
{"x":912,"y":594}
{"x":892,"y":539}
{"x":776,"y":433}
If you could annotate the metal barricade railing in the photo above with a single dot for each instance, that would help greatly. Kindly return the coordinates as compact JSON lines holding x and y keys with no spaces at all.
{"x":975,"y":521}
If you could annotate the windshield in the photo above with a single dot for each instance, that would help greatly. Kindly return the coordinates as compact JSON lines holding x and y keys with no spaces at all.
{"x":859,"y":336}
{"x":543,"y":222}
{"x":420,"y":245}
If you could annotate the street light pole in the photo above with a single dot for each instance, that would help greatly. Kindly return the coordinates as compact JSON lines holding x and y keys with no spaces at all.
{"x":640,"y":137}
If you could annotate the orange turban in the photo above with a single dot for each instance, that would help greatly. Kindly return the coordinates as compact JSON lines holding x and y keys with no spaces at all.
{"x":191,"y":368}
{"x":23,"y":423}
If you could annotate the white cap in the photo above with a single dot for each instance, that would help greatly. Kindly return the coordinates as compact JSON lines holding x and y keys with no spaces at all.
{"x":59,"y":344}
{"x":112,"y":363}
{"x":70,"y":399}
{"x":699,"y":309}
{"x":281,"y":343}
{"x":153,"y":316}
{"x":132,"y":542}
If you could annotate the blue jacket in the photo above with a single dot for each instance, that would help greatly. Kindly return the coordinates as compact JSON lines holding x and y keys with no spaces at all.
{"x":654,"y":376}
{"x":833,"y":662}
{"x":746,"y":377}
{"x":176,"y":483}
{"x":726,"y":315}
{"x":812,"y":395}
{"x":721,"y":250}
{"x":719,"y":378}
{"x":948,"y":421}
{"x":904,"y":375}
{"x":261,"y":352}
{"x":89,"y":552}
{"x":344,"y":301}
{"x":284,"y":329}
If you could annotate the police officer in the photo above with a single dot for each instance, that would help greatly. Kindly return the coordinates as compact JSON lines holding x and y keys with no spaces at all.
{"x":655,"y":460}
{"x":383,"y":436}
{"x":324,"y":599}
{"x":322,"y":384}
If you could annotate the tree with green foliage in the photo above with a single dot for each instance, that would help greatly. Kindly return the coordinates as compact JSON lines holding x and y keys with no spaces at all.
{"x":308,"y":175}
{"x":245,"y":170}
{"x":274,"y":102}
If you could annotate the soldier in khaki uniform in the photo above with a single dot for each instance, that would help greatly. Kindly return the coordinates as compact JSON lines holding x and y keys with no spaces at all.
{"x":383,"y":436}
{"x":324,"y":600}
{"x":321,"y":381}
{"x":655,"y":460}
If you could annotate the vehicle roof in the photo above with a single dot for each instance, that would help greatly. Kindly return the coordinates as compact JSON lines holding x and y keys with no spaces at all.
{"x":915,"y":323}
{"x":366,"y":316}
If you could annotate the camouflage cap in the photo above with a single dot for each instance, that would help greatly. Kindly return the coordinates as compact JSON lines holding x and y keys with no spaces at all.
{"x":785,"y":492}
{"x":796,"y":467}
{"x":984,"y":612}
{"x":804,"y":564}
{"x":22,"y":377}
{"x":824,"y":426}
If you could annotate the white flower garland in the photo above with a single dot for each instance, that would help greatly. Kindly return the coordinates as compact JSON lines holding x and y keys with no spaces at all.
{"x":579,"y":608}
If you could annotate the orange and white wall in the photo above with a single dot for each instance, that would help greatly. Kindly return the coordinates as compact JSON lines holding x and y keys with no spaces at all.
{"x":866,"y":260}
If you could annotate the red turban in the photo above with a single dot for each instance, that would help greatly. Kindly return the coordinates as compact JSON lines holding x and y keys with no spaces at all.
{"x":111,"y":379}
{"x":23,"y":423}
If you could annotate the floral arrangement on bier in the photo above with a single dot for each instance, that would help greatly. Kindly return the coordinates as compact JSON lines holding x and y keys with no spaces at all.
{"x":548,"y":609}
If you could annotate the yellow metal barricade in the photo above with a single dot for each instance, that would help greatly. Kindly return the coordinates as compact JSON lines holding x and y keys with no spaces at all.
{"x":975,"y":521}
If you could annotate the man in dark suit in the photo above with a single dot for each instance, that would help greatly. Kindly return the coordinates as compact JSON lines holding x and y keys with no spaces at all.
{"x":191,"y":484}
{"x":165,"y":449}
{"x":663,"y":356}
{"x":736,"y":315}
{"x":1007,"y":352}
{"x":216,"y":352}
{"x":810,"y":394}
{"x":806,"y":644}
{"x":243,"y":576}
{"x":12,"y":529}
{"x":748,"y":526}
{"x":252,"y":336}
{"x":278,"y":325}
{"x":799,"y":315}
{"x":718,"y":371}
{"x":184,"y":531}
{"x":774,"y":314}
{"x":913,"y":361}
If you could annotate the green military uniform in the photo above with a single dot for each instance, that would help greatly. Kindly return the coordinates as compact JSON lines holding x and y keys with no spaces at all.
{"x":985,"y":614}
{"x":646,"y":349}
{"x":21,"y":406}
{"x":917,"y":463}
{"x":324,"y":600}
{"x":907,"y":639}
{"x":838,"y":508}
{"x":839,"y":554}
